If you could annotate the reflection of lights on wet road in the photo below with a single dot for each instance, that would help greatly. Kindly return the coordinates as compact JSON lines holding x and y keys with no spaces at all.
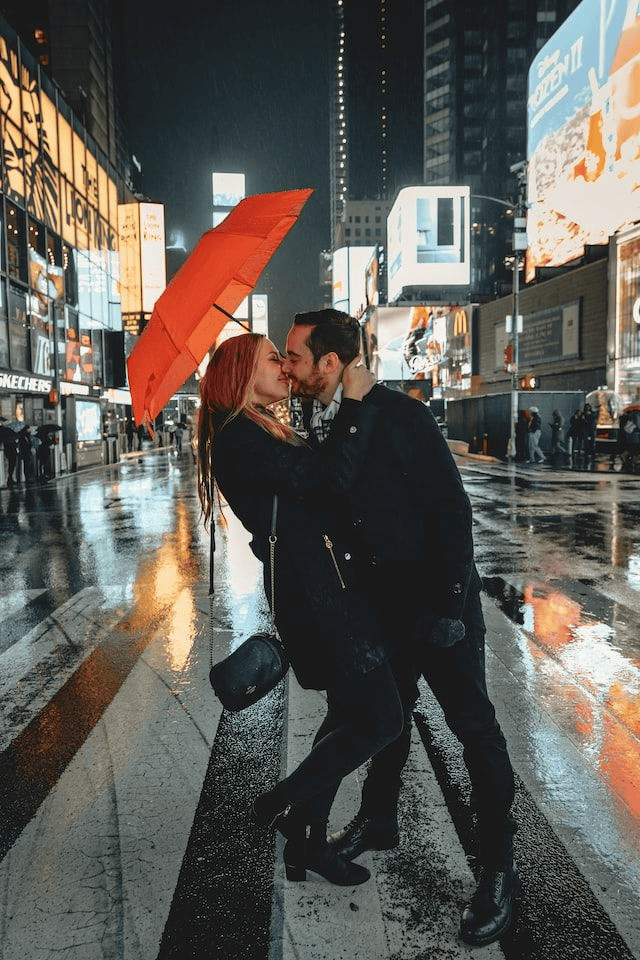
{"x":181,"y":631}
{"x":588,"y":686}
{"x":633,"y":569}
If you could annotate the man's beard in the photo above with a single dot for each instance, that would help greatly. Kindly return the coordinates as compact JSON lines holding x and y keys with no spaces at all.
{"x":310,"y":387}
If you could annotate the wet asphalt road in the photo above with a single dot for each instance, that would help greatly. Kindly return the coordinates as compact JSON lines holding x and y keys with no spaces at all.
{"x":104,"y":609}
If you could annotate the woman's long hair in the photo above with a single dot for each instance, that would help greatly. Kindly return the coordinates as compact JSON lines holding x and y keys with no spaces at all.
{"x":226,"y":388}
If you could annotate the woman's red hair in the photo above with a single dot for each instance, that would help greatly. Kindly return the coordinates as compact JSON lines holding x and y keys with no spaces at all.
{"x":227,"y":388}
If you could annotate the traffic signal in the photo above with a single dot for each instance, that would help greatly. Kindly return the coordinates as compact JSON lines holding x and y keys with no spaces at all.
{"x":508,"y":357}
{"x":529,"y":382}
{"x":52,"y":399}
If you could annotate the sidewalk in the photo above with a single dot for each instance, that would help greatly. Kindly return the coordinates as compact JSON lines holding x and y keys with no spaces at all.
{"x":600,"y":465}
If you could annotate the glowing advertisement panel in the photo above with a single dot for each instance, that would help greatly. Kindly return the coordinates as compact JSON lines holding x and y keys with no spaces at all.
{"x":428,"y":239}
{"x":88,"y":422}
{"x":584,"y":132}
{"x":152,"y":256}
{"x":349,"y":278}
{"x":421,"y":342}
{"x":130,"y":266}
{"x":228,"y":189}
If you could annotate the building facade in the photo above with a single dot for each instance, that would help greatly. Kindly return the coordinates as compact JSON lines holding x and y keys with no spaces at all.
{"x":61,"y":339}
{"x":476,"y":61}
{"x":376,"y":115}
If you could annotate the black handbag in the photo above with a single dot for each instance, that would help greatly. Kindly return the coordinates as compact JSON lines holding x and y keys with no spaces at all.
{"x":260,"y":662}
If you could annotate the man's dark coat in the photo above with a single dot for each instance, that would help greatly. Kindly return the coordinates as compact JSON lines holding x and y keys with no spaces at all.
{"x":326,"y":628}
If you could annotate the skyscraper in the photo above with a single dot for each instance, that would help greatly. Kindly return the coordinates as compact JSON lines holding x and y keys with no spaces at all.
{"x":376,"y":123}
{"x":79,"y":45}
{"x":476,"y":60}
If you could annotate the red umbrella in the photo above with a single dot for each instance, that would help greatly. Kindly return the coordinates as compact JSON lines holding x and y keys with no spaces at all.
{"x":219,"y":273}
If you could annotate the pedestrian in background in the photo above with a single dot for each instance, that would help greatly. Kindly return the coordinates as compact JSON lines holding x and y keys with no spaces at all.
{"x":11,"y":453}
{"x":576,"y":434}
{"x":25,"y":448}
{"x":522,"y":436}
{"x":129,"y":432}
{"x":535,"y":431}
{"x":589,"y":420}
{"x":414,"y":549}
{"x":327,"y":629}
{"x":557,"y":435}
{"x":177,"y":435}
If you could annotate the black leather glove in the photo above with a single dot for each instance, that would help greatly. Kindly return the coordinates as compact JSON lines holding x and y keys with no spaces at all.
{"x":447,"y":632}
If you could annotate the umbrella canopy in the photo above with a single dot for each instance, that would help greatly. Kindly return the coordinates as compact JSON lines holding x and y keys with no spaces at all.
{"x":7,"y":435}
{"x":219,"y":273}
{"x":632,"y":408}
{"x":16,"y":425}
{"x":46,"y":428}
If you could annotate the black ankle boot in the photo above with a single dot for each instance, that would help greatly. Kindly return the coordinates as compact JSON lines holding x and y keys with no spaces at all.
{"x":301,"y":855}
{"x":271,"y":810}
{"x":365,"y":833}
{"x":487,"y":916}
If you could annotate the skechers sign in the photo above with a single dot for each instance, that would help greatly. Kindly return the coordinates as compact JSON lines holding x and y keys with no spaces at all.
{"x":24,"y":384}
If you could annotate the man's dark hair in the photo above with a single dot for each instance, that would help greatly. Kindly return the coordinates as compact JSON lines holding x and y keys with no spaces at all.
{"x":333,"y":332}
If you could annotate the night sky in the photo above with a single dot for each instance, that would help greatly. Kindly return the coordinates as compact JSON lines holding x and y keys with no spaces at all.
{"x":236,"y":86}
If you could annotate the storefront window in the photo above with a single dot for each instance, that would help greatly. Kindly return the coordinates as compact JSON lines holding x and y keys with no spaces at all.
{"x":41,"y":341}
{"x":16,"y":243}
{"x":55,"y":271}
{"x":4,"y":328}
{"x":18,"y":331}
{"x":70,"y":275}
{"x":86,"y":357}
{"x":97,"y":356}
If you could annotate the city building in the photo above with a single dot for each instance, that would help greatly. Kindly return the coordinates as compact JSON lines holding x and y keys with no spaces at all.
{"x":77,"y":45}
{"x":376,"y":115}
{"x":61,"y":337}
{"x":476,"y":63}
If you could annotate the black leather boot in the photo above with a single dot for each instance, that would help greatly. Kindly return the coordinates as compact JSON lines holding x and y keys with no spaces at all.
{"x":365,"y":833}
{"x":270,"y":809}
{"x":301,"y":855}
{"x":487,"y":916}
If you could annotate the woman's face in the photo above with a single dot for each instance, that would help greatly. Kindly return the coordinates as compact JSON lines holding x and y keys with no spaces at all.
{"x":270,"y":383}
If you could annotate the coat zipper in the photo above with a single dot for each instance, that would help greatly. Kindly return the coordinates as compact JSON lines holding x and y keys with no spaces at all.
{"x":329,"y":545}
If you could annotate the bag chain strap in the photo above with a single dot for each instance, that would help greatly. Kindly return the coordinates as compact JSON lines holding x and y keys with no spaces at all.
{"x":272,"y":565}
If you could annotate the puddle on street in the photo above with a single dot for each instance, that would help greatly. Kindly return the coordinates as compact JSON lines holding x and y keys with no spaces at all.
{"x":595,"y":695}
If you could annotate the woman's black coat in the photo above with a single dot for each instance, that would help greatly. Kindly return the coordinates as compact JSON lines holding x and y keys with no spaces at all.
{"x":326,"y":628}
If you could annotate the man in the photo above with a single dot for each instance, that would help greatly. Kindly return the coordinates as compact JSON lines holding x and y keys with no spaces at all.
{"x":411,"y":521}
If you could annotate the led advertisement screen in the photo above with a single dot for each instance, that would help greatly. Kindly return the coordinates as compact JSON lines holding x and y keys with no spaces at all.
{"x":88,"y":424}
{"x":421,"y":342}
{"x":428,"y":239}
{"x":349,"y":278}
{"x":584,"y":132}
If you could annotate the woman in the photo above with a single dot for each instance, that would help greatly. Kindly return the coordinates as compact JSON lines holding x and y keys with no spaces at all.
{"x":326,"y":626}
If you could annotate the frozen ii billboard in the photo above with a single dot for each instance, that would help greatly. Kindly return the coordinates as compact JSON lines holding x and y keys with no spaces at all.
{"x":584,"y":132}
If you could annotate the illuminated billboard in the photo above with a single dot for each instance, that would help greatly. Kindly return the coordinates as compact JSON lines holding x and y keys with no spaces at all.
{"x":349,"y":278}
{"x":422,"y":342}
{"x":584,"y":132}
{"x":428,"y":239}
{"x":142,"y":261}
{"x":228,"y":191}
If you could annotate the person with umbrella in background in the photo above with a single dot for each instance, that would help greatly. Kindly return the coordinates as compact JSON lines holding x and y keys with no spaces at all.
{"x":9,"y":440}
{"x":25,"y":449}
{"x":47,"y":435}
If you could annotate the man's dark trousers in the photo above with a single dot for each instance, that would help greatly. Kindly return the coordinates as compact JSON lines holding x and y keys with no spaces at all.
{"x":456,"y":675}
